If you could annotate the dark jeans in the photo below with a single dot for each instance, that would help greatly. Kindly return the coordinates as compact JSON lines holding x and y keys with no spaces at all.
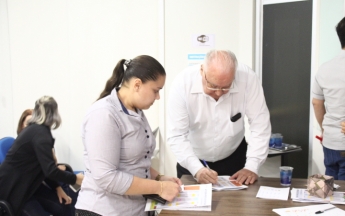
{"x":33,"y":207}
{"x":334,"y":161}
{"x":227,"y":166}
{"x":45,"y":202}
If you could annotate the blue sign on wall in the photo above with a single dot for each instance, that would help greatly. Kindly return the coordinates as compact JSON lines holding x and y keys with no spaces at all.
{"x":196,"y":56}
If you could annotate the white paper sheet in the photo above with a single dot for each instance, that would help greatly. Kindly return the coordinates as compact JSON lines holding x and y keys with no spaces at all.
{"x":192,"y":198}
{"x":224,"y":183}
{"x":309,"y":210}
{"x":273,"y":193}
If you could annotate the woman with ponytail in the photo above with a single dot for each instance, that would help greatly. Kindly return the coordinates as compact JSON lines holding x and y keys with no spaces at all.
{"x":30,"y":160}
{"x":118,"y":143}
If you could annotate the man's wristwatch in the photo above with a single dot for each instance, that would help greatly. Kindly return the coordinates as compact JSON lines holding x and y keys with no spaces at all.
{"x":158,"y":177}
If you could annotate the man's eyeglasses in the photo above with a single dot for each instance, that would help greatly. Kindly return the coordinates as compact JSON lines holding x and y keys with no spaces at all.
{"x":213,"y":87}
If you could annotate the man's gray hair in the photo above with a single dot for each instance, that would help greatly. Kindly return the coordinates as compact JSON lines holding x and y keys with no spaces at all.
{"x":221,"y":56}
{"x":46,"y":113}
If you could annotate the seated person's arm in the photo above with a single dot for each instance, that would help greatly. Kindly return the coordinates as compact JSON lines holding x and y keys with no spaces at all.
{"x":43,"y":149}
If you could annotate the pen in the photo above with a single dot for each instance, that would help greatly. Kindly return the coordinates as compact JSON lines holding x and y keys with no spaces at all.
{"x":322,"y":211}
{"x":205,"y":164}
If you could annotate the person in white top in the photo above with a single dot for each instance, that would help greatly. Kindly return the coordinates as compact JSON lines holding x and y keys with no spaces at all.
{"x":329,"y":107}
{"x":206,"y":109}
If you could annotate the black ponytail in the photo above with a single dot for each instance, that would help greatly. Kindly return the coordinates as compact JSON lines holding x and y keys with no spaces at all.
{"x":115,"y":80}
{"x":143,"y":67}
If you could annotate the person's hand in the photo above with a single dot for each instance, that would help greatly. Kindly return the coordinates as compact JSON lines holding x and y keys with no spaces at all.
{"x":205,"y":176}
{"x":244,"y":176}
{"x":170,"y":178}
{"x":169,"y":190}
{"x":80,"y":177}
{"x":62,"y":167}
{"x":343,"y":127}
{"x":62,"y":195}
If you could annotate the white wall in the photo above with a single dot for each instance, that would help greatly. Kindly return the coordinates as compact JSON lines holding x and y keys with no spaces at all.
{"x":6,"y":99}
{"x":68,"y":49}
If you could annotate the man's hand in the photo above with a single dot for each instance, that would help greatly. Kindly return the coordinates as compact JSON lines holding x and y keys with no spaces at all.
{"x":343,"y":127}
{"x":205,"y":176}
{"x":244,"y":176}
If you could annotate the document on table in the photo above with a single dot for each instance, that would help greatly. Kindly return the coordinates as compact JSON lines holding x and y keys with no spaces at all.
{"x":224,"y":183}
{"x":273,"y":193}
{"x":309,"y":210}
{"x":192,"y":198}
{"x":302,"y":195}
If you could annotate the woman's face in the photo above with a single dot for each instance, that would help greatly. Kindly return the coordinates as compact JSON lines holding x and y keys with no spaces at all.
{"x":149,"y":92}
{"x":25,"y":123}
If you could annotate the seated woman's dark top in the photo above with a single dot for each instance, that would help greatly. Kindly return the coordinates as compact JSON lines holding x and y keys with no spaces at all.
{"x":28,"y":162}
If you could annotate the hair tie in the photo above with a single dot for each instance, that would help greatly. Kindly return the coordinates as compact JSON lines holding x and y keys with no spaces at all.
{"x":128,"y":62}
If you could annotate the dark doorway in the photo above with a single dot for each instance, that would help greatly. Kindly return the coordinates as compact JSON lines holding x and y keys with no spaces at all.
{"x":286,"y":64}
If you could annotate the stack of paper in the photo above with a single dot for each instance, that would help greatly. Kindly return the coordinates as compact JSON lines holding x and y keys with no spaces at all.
{"x":302,"y":195}
{"x":192,"y":198}
{"x":224,"y":183}
{"x":310,"y":210}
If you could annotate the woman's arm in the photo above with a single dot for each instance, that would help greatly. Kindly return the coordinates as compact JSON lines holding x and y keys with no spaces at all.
{"x":158,"y":177}
{"x":166,"y":189}
{"x":43,"y":144}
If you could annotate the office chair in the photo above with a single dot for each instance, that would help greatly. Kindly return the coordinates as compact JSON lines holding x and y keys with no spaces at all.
{"x":5,"y":209}
{"x":5,"y":145}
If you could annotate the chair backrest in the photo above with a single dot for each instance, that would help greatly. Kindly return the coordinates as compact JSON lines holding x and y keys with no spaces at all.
{"x":5,"y":209}
{"x":5,"y":145}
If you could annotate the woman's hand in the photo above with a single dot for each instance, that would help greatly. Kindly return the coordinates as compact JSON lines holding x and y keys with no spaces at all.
{"x":62,"y":167}
{"x":169,"y":190}
{"x":62,"y":195}
{"x":170,"y":178}
{"x":80,"y":177}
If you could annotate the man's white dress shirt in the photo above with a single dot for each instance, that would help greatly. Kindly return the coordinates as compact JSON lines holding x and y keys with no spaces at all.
{"x":199,"y":127}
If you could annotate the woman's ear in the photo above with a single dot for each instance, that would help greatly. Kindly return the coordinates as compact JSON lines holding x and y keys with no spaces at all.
{"x":137,"y":84}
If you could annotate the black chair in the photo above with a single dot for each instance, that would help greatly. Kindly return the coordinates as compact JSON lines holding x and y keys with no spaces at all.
{"x":68,"y":167}
{"x":5,"y":209}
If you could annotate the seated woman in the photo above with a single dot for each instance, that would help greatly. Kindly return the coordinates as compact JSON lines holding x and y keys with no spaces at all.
{"x":30,"y":160}
{"x":45,"y":198}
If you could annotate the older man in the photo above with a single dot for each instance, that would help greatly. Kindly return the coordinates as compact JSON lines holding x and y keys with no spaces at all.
{"x":206,"y":110}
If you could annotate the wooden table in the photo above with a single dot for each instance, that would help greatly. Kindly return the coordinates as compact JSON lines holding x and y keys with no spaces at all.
{"x":244,"y":202}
